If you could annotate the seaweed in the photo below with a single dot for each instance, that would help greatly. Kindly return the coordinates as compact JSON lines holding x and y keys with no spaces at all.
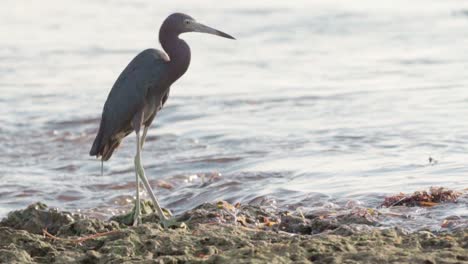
{"x":433,"y":197}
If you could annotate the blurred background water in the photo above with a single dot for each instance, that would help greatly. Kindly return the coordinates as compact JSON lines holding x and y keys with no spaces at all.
{"x":318,"y":103}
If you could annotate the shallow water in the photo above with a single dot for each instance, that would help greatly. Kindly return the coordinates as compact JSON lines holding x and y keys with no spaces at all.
{"x":315,"y":105}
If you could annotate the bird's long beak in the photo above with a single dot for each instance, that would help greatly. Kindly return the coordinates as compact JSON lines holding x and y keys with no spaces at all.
{"x":198,"y":27}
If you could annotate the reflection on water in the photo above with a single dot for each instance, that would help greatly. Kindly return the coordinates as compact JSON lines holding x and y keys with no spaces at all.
{"x":316,"y":105}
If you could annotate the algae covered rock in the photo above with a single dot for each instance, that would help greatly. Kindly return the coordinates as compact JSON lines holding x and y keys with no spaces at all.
{"x":220,"y":233}
{"x":14,"y":255}
{"x":225,"y":213}
{"x":37,"y":217}
{"x":85,"y":226}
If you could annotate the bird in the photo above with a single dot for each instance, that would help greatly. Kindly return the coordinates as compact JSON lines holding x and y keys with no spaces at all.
{"x":140,"y":92}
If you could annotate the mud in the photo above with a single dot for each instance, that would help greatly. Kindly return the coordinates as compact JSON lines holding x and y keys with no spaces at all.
{"x":220,"y":233}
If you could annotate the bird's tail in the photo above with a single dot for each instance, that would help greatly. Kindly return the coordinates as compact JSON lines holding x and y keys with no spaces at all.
{"x":105,"y":151}
{"x":103,"y":148}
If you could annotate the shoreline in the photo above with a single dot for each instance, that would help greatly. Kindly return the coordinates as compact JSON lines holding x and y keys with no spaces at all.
{"x":219,"y":233}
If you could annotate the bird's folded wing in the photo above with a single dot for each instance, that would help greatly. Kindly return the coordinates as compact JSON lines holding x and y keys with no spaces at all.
{"x":129,"y":92}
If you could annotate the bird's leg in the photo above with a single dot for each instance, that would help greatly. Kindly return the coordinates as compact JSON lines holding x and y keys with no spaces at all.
{"x":139,"y":168}
{"x":137,"y":212}
{"x":143,"y":137}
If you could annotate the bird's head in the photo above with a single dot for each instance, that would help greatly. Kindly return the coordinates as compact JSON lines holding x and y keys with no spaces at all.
{"x":181,"y":23}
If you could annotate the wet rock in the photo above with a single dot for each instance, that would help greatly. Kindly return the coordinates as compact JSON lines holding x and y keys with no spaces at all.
{"x":69,"y":256}
{"x":91,"y":256}
{"x":215,"y":237}
{"x":14,"y":255}
{"x":348,"y":230}
{"x":148,"y":213}
{"x":37,"y":217}
{"x":205,"y":213}
{"x":295,"y":224}
{"x":209,"y":251}
{"x":25,"y":240}
{"x":224,"y":213}
{"x":87,"y":227}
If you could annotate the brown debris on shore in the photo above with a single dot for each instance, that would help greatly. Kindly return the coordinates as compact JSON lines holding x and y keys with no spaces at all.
{"x":434,"y":196}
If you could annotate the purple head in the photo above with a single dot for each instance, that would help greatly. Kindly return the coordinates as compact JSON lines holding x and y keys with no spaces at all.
{"x":179,"y":23}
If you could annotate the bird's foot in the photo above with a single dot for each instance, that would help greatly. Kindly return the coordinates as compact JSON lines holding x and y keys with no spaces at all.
{"x":172,"y":223}
{"x":136,"y":220}
{"x":169,"y":221}
{"x":137,"y":214}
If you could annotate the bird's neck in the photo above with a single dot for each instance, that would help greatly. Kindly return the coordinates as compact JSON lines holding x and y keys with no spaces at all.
{"x":179,"y":54}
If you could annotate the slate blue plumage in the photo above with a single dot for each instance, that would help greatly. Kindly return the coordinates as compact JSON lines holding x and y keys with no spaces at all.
{"x":141,"y":91}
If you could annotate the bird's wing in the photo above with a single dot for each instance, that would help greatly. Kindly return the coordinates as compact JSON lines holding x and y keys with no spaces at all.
{"x":128,"y":95}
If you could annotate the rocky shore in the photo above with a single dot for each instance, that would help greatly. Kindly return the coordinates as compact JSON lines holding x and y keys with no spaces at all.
{"x":221,"y":233}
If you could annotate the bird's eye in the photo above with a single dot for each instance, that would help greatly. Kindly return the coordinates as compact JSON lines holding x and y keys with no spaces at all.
{"x":187,"y":22}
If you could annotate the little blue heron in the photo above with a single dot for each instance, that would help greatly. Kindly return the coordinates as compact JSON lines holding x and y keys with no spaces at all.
{"x":140,"y":92}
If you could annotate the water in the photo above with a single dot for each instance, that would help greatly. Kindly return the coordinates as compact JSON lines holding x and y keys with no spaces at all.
{"x":316,"y":105}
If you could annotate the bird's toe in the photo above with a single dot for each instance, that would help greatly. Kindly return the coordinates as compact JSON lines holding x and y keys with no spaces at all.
{"x":173,"y":224}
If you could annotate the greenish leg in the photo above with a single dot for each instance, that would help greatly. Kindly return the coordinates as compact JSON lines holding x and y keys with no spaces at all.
{"x":137,"y":212}
{"x":143,"y":137}
{"x":141,"y":172}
